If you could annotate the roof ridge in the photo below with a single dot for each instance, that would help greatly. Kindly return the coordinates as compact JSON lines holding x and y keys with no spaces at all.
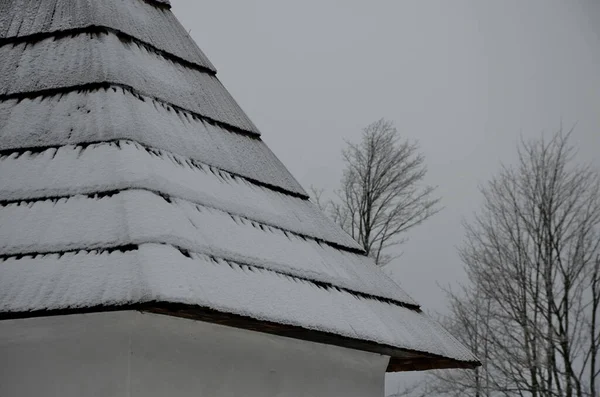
{"x":95,"y":86}
{"x":215,"y":258}
{"x":112,"y":192}
{"x":196,"y":163}
{"x":97,"y":29}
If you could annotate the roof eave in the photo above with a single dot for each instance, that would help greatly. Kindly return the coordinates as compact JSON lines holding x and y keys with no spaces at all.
{"x":401,"y":360}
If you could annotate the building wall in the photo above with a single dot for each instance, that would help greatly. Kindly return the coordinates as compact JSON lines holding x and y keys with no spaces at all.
{"x":134,"y":354}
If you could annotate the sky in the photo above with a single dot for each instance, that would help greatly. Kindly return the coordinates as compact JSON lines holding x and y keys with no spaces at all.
{"x":466,"y":78}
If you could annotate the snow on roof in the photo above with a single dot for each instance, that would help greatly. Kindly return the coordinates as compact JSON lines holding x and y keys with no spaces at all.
{"x":102,"y":58}
{"x":138,"y":216}
{"x":135,"y":18}
{"x":117,"y":165}
{"x":84,"y":116}
{"x":88,"y":278}
{"x":128,"y":175}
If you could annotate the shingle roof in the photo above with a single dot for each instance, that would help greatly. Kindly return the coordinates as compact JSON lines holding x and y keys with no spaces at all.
{"x":86,"y":59}
{"x":108,"y":113}
{"x":159,"y":29}
{"x":129,"y":176}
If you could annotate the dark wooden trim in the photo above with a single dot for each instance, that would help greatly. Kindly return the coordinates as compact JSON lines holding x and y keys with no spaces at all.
{"x":116,"y":248}
{"x":7,"y":316}
{"x":400,"y":359}
{"x":159,"y":4}
{"x":427,"y":363}
{"x":91,"y":194}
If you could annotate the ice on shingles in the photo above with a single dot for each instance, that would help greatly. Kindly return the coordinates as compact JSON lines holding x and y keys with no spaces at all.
{"x":99,"y":58}
{"x":139,"y":216}
{"x":102,"y":115}
{"x":71,"y":170}
{"x":160,"y":272}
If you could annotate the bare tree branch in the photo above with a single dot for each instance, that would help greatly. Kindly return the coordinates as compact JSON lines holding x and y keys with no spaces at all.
{"x":530,"y":310}
{"x":382,"y":194}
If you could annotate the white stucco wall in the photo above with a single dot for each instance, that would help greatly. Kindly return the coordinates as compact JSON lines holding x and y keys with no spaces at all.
{"x":135,"y":354}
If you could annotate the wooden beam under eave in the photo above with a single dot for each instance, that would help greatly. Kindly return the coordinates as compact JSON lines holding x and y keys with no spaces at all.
{"x":427,"y":363}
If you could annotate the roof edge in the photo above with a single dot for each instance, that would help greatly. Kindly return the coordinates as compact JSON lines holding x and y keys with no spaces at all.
{"x":401,"y":360}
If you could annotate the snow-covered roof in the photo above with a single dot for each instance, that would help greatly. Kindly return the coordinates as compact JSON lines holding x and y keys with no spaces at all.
{"x":129,"y":176}
{"x":113,"y":113}
{"x":160,"y":29}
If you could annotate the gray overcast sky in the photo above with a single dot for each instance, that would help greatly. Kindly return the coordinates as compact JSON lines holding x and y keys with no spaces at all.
{"x":464,"y":77}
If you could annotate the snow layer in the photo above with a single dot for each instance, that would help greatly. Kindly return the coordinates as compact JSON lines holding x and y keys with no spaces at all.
{"x":79,"y":117}
{"x":155,"y":26}
{"x":161,"y":273}
{"x":215,"y":252}
{"x":72,"y":170}
{"x":139,"y":216}
{"x":97,"y":58}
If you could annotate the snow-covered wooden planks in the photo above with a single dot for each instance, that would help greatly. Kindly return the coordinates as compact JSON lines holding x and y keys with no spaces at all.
{"x":112,"y":166}
{"x":156,"y":26}
{"x":161,"y":273}
{"x":139,"y":216}
{"x":107,"y":114}
{"x":103,"y":58}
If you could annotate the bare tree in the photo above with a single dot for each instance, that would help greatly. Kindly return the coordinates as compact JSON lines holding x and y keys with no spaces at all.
{"x":469,"y":321}
{"x":382,"y":194}
{"x":532,"y":258}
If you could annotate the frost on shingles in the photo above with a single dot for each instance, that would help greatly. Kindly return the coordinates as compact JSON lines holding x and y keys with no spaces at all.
{"x":118,"y":165}
{"x":136,"y":18}
{"x":101,"y":115}
{"x":139,"y":216}
{"x":103,"y":57}
{"x":90,"y":279}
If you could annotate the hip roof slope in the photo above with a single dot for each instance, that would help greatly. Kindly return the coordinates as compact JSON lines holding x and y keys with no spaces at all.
{"x":130,"y":176}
